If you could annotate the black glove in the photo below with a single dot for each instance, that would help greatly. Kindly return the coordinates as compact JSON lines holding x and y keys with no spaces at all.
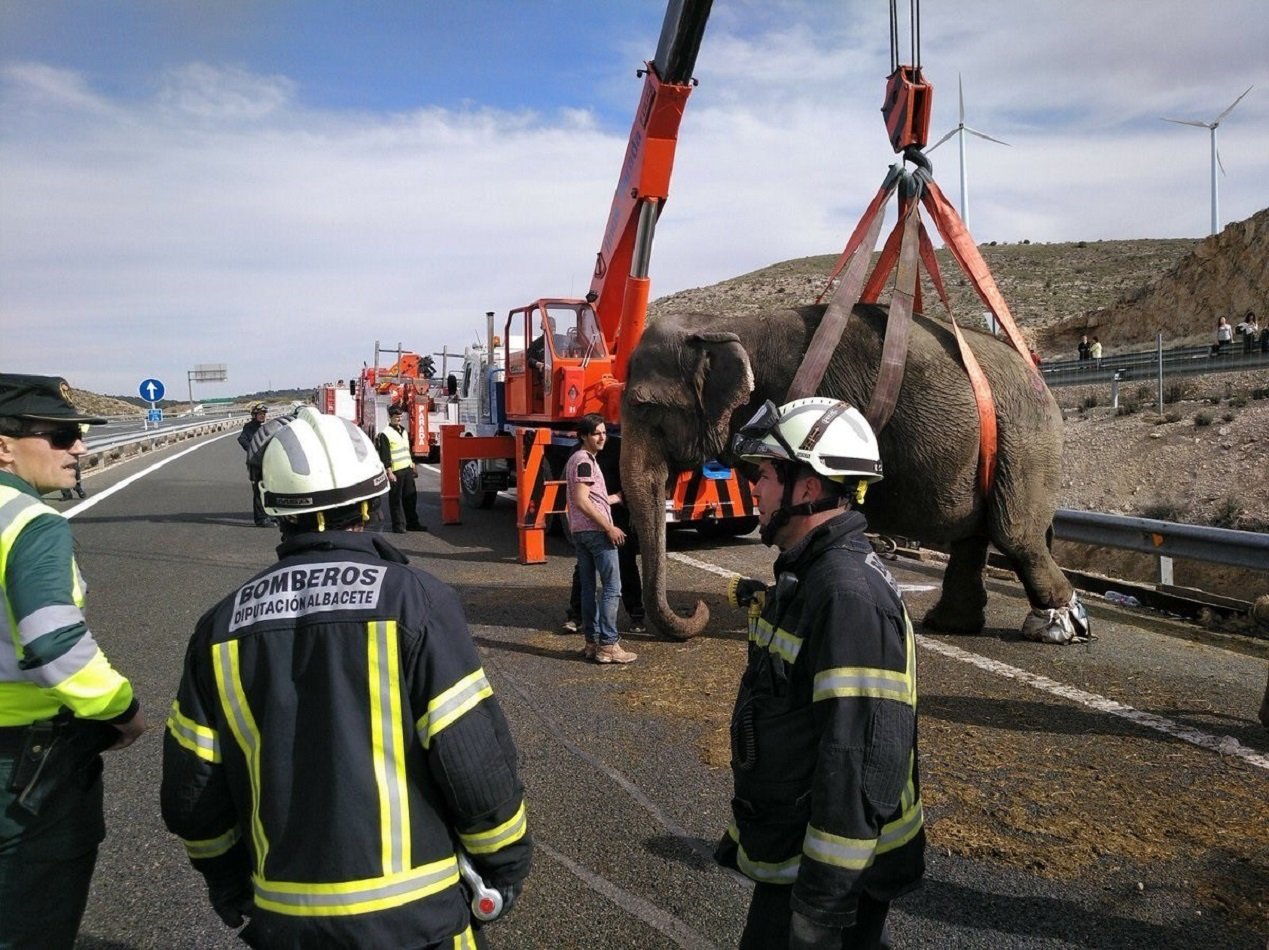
{"x":232,"y":899}
{"x":806,"y":934}
{"x":746,"y":591}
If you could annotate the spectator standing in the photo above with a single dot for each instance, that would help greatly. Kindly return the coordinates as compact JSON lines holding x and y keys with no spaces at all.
{"x":61,"y":702}
{"x":596,"y":539}
{"x":393,"y":445}
{"x":1083,"y":348}
{"x":334,"y":740}
{"x":827,"y":814}
{"x":1224,"y":334}
{"x":1250,"y":331}
{"x":1095,"y":351}
{"x":627,"y":555}
{"x":259,"y":412}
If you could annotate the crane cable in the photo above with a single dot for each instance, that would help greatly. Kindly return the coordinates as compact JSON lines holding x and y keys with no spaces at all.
{"x":914,"y":39}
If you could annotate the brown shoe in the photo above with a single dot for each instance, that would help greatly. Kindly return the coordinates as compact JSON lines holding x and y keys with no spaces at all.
{"x":614,"y":653}
{"x":588,"y":651}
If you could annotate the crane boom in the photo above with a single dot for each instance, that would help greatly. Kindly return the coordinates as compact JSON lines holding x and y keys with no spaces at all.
{"x":620,"y":286}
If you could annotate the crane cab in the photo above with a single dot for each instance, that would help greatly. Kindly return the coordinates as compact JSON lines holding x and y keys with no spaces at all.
{"x":558,"y":367}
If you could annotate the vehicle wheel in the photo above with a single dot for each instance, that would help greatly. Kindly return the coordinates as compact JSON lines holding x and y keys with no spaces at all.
{"x":727,"y":527}
{"x":470,"y":484}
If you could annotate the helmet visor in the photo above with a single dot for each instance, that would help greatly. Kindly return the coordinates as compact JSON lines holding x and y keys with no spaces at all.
{"x":753,"y":440}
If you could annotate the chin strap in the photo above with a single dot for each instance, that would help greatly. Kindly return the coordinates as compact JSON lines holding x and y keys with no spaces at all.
{"x":780,"y":518}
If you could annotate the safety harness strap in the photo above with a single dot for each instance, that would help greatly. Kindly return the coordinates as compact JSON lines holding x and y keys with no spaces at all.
{"x":894,"y":353}
{"x":855,"y":258}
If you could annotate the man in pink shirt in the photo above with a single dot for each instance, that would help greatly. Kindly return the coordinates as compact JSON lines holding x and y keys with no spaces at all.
{"x":596,"y":539}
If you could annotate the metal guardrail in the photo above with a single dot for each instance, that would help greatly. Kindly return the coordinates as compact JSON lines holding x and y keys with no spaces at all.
{"x":1247,"y":549}
{"x":1144,"y":365}
{"x":114,"y":449}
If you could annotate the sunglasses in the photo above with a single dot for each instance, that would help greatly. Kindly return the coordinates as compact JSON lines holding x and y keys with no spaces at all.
{"x":63,"y":437}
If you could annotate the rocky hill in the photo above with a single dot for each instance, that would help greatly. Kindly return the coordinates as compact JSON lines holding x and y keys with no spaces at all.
{"x":103,"y":405}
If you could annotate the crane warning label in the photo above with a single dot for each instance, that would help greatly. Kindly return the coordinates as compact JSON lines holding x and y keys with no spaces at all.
{"x":294,"y":592}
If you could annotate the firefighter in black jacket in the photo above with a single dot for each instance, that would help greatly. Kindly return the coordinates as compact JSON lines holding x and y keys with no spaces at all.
{"x":827,"y":806}
{"x":334,"y":743}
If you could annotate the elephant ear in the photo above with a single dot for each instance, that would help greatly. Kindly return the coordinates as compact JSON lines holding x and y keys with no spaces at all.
{"x":721,"y":376}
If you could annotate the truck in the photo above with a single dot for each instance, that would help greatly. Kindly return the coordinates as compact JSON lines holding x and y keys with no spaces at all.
{"x":562,"y":358}
{"x":408,"y":382}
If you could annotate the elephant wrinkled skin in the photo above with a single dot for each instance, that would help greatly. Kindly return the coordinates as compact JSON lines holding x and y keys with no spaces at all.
{"x":695,"y":377}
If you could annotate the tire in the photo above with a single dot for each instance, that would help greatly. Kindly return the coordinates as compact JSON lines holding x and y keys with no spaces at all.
{"x":469,"y":480}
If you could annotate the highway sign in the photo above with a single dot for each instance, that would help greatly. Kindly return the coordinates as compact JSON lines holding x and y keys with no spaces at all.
{"x":151,"y":390}
{"x":154,"y":415}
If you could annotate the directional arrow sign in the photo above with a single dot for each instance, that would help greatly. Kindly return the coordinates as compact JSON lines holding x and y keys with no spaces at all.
{"x":151,"y":390}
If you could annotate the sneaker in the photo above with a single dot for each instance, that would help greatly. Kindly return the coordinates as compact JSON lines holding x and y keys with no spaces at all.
{"x":570,"y":626}
{"x":637,"y":625}
{"x":614,"y":653}
{"x":588,"y":651}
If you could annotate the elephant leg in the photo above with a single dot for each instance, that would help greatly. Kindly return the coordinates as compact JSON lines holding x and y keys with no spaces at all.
{"x":1056,"y":615}
{"x":961,"y":604}
{"x":1264,"y":707}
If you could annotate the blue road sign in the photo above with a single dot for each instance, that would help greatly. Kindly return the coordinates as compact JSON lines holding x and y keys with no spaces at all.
{"x":151,"y":390}
{"x":154,"y":415}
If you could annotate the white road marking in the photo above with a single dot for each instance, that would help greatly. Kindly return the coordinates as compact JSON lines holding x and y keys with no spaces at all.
{"x":119,"y":486}
{"x":1225,"y":745}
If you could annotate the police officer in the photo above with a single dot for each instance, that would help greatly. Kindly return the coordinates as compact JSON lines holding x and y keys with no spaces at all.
{"x":827,"y":806}
{"x":334,"y":739}
{"x":61,"y":702}
{"x":393,"y":444}
{"x":259,"y":412}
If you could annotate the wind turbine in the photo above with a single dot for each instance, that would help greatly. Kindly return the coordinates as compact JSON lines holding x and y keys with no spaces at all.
{"x":1216,"y":158}
{"x":961,"y":129}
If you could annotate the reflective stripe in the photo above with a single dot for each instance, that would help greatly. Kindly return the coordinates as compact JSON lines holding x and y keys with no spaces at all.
{"x":452,"y":704}
{"x":465,"y":940}
{"x":71,"y":663}
{"x":233,"y":701}
{"x":356,"y":897}
{"x":844,"y":682}
{"x":497,"y":838}
{"x":768,"y":872}
{"x":199,"y":739}
{"x":212,"y":847}
{"x":399,"y":450}
{"x":780,"y":642}
{"x":388,"y":745}
{"x":855,"y":854}
{"x":48,"y":619}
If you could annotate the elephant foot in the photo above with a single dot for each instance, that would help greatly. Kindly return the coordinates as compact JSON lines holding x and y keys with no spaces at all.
{"x":1066,"y":624}
{"x":943,"y":620}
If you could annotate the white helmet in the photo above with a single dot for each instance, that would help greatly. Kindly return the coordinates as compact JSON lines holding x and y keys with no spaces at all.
{"x":830,"y":436}
{"x":319,"y":462}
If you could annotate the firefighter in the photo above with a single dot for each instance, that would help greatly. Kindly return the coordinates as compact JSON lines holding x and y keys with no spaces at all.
{"x":393,"y":445}
{"x":334,"y":739}
{"x":827,"y":817}
{"x":61,"y":702}
{"x":259,"y":412}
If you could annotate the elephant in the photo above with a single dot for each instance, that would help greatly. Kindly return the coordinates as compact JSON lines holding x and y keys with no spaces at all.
{"x":694,"y":378}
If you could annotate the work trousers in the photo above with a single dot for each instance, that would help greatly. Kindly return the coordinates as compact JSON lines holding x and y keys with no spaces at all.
{"x":403,"y":500}
{"x":767,"y":925}
{"x":257,"y":506}
{"x":46,"y":860}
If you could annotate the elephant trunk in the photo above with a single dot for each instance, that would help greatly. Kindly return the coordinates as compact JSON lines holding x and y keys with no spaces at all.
{"x":644,"y":472}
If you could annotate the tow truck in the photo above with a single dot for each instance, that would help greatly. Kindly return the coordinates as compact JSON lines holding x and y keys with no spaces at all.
{"x":565,"y":357}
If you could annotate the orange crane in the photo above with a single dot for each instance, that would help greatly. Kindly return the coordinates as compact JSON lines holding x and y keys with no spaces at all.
{"x":565,"y":357}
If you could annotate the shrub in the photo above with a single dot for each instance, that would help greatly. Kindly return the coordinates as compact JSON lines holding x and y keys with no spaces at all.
{"x":1203,"y":418}
{"x":1089,"y":401}
{"x":1260,"y":392}
{"x":1127,"y":407}
{"x":1228,"y":511}
{"x":1172,"y":417}
{"x":1238,"y":402}
{"x":1178,"y":391}
{"x":1163,"y":509}
{"x":1228,"y":417}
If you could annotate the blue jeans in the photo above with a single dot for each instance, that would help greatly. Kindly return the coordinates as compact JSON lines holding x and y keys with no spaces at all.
{"x":599,"y":614}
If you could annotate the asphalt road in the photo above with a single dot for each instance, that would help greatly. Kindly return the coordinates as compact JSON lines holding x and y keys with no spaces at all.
{"x":1112,"y":796}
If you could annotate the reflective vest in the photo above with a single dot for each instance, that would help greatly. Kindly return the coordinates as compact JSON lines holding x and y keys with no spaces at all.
{"x":48,"y":658}
{"x":399,"y":446}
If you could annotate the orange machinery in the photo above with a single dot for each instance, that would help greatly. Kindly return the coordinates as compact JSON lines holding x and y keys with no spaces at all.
{"x":568,"y":357}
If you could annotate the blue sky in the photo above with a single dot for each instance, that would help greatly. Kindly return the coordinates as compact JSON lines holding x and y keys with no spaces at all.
{"x":276,"y":185}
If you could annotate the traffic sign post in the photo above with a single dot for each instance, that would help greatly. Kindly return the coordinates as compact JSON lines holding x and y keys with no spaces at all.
{"x":152,"y":391}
